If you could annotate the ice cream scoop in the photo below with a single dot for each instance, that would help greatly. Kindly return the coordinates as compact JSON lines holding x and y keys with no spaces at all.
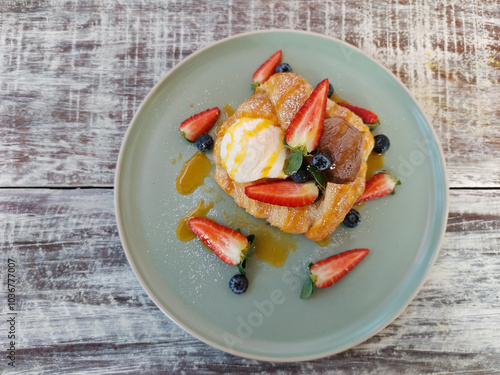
{"x":253,"y":148}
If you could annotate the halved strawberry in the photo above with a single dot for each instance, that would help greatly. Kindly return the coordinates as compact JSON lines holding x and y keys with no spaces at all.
{"x":305,"y":129}
{"x":284,"y":193}
{"x":330,"y":270}
{"x":380,"y":185}
{"x":199,"y":123}
{"x":229,"y":245}
{"x":267,"y":69}
{"x":367,"y":116}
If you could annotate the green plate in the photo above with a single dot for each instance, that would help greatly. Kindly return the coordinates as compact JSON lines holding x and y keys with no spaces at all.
{"x":270,"y":322}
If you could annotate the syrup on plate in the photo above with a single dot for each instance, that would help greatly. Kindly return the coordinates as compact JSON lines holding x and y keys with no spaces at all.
{"x":183,"y":232}
{"x":193,"y":173}
{"x":374,"y":163}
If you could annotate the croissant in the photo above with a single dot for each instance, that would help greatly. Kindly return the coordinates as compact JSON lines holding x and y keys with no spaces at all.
{"x":278,"y":100}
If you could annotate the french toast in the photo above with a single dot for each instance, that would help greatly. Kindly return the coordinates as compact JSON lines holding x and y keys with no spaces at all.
{"x":277,"y":101}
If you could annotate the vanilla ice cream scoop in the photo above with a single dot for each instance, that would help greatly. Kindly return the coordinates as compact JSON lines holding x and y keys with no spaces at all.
{"x":253,"y":148}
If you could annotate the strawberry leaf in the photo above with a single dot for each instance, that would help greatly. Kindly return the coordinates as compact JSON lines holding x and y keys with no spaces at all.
{"x":372,"y":127}
{"x":307,"y":289}
{"x":251,"y":238}
{"x":242,"y":266}
{"x":293,"y":162}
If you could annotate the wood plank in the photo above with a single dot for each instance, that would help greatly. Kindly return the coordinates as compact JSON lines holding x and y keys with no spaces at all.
{"x":81,"y":309}
{"x":72,"y":74}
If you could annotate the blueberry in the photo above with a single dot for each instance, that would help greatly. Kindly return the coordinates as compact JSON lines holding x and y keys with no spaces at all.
{"x":205,"y":142}
{"x":382,"y":144}
{"x":322,"y":161}
{"x":352,"y":219}
{"x":283,"y":68}
{"x":330,"y":89}
{"x":238,"y":283}
{"x":302,"y":175}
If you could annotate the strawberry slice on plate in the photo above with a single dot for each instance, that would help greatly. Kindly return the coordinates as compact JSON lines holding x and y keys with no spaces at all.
{"x":229,"y":245}
{"x":267,"y":69}
{"x":305,"y":129}
{"x":327,"y":272}
{"x":380,"y":185}
{"x":199,"y":124}
{"x":284,"y":193}
{"x":366,"y":115}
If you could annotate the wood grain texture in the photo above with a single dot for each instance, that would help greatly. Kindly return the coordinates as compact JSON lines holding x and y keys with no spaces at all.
{"x":82,"y":310}
{"x":73,"y":74}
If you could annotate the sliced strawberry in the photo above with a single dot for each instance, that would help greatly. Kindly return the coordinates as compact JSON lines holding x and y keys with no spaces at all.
{"x":330,"y":270}
{"x":284,"y":193}
{"x":229,"y":245}
{"x":199,"y":123}
{"x":378,"y":186}
{"x":367,"y":116}
{"x":267,"y":69}
{"x":305,"y":129}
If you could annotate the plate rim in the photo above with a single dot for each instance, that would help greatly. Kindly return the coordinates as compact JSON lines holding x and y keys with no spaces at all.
{"x":127,"y":251}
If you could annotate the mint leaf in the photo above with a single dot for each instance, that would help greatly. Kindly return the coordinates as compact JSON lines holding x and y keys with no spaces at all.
{"x":292,"y":163}
{"x":318,"y":176}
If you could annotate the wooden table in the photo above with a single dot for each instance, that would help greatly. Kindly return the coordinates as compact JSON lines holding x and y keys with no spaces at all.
{"x":72,"y":75}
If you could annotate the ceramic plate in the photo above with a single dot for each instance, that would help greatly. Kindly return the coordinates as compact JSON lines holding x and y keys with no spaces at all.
{"x":270,"y":322}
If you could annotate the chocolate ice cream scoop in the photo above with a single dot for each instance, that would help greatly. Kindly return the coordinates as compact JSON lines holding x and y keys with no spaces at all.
{"x":343,"y":142}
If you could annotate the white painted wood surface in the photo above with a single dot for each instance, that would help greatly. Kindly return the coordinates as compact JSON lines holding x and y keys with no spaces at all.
{"x":81,"y":309}
{"x":73,"y":73}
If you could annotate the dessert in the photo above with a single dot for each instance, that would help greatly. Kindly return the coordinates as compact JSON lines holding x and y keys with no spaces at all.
{"x":276,"y":102}
{"x":294,"y":157}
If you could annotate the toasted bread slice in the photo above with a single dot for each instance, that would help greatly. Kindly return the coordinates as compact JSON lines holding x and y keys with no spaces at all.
{"x":278,"y":100}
